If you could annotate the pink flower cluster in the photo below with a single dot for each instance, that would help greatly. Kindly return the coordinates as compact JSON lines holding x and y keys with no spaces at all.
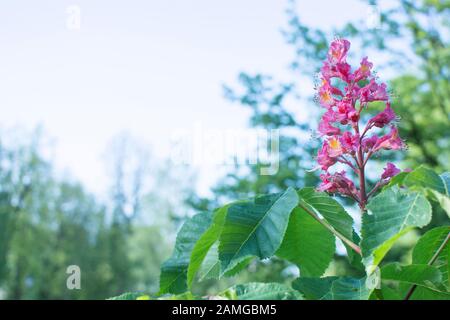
{"x":345,"y":95}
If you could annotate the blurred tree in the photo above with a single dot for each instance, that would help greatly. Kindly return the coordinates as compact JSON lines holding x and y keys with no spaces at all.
{"x":48,"y":224}
{"x":128,"y":162}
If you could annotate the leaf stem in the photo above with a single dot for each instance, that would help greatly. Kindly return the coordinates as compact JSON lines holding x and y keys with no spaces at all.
{"x":432,"y":260}
{"x":350,"y":243}
{"x":361,"y":164}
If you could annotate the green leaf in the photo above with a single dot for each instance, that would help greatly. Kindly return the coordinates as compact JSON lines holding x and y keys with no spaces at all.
{"x":390,"y":214}
{"x":307,"y":244}
{"x":347,"y":288}
{"x":333,"y":288}
{"x":444,"y":201}
{"x":422,"y":293}
{"x":355,"y":259}
{"x":261,"y":291}
{"x":204,"y":244}
{"x":425,"y":178}
{"x":333,"y":213}
{"x":210,"y":267}
{"x":183,"y":296}
{"x":444,"y":198}
{"x":241,"y":265}
{"x":428,"y":180}
{"x":387,"y":293}
{"x":424,"y":251}
{"x":428,"y":245}
{"x":329,"y":209}
{"x":255,"y":228}
{"x":396,"y":180}
{"x":314,"y":288}
{"x":173,"y":277}
{"x":415,"y":274}
{"x":128,"y":296}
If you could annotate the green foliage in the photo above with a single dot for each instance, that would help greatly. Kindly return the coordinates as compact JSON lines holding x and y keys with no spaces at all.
{"x":332,"y":288}
{"x":428,"y":181}
{"x":261,"y":291}
{"x":174,"y":271}
{"x":426,"y":248}
{"x":314,"y":288}
{"x":424,"y":252}
{"x":390,"y":215}
{"x":127,"y":296}
{"x":301,"y":227}
{"x":414,"y":274}
{"x":346,"y":288}
{"x":426,"y":178}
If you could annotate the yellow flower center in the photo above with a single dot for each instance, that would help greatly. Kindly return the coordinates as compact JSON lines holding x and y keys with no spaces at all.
{"x":326,"y":96}
{"x":335,"y":54}
{"x":335,"y":144}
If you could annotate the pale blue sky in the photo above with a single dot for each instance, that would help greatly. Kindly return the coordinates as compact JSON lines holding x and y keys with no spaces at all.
{"x":146,"y":67}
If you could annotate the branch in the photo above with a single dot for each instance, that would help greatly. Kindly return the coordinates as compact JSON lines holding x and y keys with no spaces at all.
{"x":347,"y":162}
{"x":367,"y":128}
{"x":350,"y":243}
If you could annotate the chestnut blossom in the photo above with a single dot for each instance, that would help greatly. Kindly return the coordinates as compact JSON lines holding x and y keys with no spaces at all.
{"x":324,"y":159}
{"x":325,"y":126}
{"x":347,"y":141}
{"x":383,"y":118}
{"x":364,"y":70}
{"x":391,"y":141}
{"x":390,"y":171}
{"x":338,"y":51}
{"x":373,"y":92}
{"x":337,"y":183}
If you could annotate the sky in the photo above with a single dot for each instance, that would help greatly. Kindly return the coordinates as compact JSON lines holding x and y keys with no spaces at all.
{"x":149,"y":68}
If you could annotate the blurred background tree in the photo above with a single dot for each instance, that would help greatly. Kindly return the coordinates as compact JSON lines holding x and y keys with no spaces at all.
{"x":49,"y":223}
